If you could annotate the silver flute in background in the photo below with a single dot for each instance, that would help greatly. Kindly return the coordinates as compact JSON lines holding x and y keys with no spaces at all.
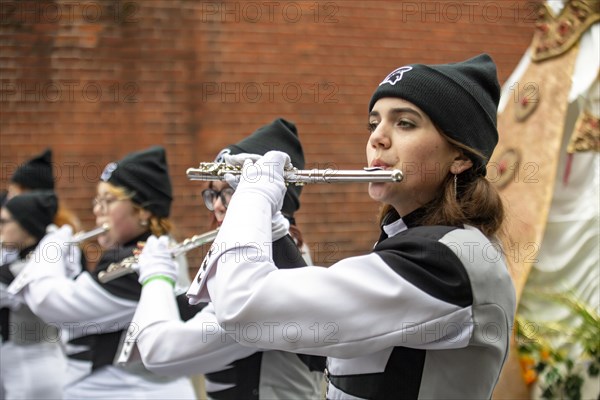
{"x":210,"y":171}
{"x":125,"y":266}
{"x":82,"y":237}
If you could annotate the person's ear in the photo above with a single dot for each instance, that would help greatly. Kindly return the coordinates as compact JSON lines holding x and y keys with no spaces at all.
{"x":460,"y":164}
{"x":145,"y":216}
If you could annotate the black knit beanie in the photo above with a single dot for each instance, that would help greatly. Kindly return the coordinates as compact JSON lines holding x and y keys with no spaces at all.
{"x":279,"y":135}
{"x":36,"y":173}
{"x":145,"y":174}
{"x":460,"y":98}
{"x":34,"y":210}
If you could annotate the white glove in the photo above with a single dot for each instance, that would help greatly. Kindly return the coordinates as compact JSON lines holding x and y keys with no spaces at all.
{"x":280,"y":226}
{"x":60,"y":238}
{"x":261,"y":189}
{"x":55,"y":256}
{"x":71,"y":251}
{"x":156,"y":259}
{"x":265,"y":177}
{"x":237,"y":160}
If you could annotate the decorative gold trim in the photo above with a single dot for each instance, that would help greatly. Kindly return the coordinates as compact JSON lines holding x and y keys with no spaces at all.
{"x":527,"y":105}
{"x":586,"y":135}
{"x":555,"y":35}
{"x":506,"y":166}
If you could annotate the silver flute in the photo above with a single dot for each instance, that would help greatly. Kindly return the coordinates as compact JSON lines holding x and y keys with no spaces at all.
{"x":210,"y":171}
{"x":82,"y":237}
{"x":126,"y":266}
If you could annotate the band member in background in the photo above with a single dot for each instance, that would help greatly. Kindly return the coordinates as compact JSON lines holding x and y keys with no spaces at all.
{"x":8,"y":253}
{"x":32,"y":363}
{"x":200,"y":346}
{"x":134,"y":198}
{"x":36,"y":174}
{"x":412,"y":319}
{"x":263,"y":140}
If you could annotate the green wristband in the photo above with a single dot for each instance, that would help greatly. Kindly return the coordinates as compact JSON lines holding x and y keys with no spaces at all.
{"x":159,"y":277}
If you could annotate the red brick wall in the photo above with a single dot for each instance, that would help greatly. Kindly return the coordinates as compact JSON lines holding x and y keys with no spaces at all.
{"x":97,"y":79}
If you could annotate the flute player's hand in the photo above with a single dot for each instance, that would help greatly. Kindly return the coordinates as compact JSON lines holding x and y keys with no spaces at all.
{"x":237,"y":160}
{"x":264,"y":177}
{"x":156,"y":262}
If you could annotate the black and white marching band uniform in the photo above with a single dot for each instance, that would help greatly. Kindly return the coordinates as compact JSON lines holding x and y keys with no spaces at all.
{"x":170,"y":346}
{"x":32,"y":362}
{"x":438,"y":296}
{"x":93,"y":317}
{"x":200,"y":345}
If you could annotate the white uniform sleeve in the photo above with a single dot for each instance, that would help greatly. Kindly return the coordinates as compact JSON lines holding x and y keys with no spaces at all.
{"x":169,"y":346}
{"x":62,"y":301}
{"x":357,"y":306}
{"x":82,"y":306}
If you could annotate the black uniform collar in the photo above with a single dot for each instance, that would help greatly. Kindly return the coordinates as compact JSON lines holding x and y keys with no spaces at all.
{"x":141,"y":238}
{"x":25,"y":252}
{"x":120,"y":251}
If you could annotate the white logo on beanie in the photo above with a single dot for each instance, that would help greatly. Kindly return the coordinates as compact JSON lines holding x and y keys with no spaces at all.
{"x":395,"y":76}
{"x":108,"y":170}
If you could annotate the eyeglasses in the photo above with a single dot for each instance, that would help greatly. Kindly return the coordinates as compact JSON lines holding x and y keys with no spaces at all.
{"x":210,"y":196}
{"x":104,"y":202}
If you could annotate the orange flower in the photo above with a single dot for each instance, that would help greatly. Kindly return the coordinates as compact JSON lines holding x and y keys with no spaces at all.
{"x":529,"y":376}
{"x":527,"y":362}
{"x":544,"y":354}
{"x":527,"y":369}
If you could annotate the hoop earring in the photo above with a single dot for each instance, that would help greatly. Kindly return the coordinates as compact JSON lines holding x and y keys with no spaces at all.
{"x":455,"y":186}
